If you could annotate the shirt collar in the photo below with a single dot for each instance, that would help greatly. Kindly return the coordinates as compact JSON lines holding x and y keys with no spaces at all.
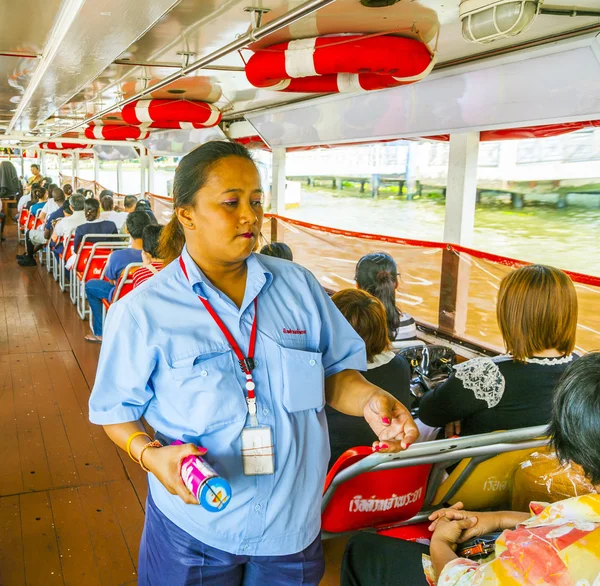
{"x":259,"y":278}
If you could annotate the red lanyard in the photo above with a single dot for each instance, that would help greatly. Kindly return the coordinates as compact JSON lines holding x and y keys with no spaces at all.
{"x":246,"y":362}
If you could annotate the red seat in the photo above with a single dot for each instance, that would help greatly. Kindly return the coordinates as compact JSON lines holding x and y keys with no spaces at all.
{"x":96,"y":263}
{"x":23,"y":217}
{"x":378,"y":498}
{"x":31,"y":221}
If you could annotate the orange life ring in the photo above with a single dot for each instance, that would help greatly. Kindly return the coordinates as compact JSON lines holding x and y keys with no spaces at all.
{"x":116,"y":132}
{"x":171,"y":114}
{"x":340,"y":64}
{"x":60,"y":146}
{"x":200,"y":88}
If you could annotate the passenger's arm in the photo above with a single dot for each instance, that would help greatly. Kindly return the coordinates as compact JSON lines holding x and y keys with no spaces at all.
{"x":350,"y":393}
{"x":449,"y":402}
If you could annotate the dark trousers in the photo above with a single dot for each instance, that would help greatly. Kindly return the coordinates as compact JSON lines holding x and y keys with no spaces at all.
{"x":375,"y":560}
{"x":171,"y":557}
{"x":2,"y":220}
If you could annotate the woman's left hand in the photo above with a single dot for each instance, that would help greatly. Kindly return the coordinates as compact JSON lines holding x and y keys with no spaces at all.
{"x":391,"y":421}
{"x":450,"y":532}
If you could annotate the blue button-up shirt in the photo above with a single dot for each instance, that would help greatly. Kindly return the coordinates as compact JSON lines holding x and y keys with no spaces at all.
{"x":164,"y":358}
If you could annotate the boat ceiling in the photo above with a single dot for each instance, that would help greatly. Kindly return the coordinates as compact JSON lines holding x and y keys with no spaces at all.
{"x":63,"y":61}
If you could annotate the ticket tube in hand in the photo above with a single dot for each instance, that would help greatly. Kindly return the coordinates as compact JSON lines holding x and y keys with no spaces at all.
{"x":212,"y":491}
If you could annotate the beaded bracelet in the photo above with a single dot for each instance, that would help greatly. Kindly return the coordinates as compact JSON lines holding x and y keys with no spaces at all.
{"x":130,"y":439}
{"x":154,"y":444}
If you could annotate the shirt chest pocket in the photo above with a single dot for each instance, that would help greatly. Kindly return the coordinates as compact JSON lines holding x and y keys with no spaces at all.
{"x":206,"y":391}
{"x":303,"y":380}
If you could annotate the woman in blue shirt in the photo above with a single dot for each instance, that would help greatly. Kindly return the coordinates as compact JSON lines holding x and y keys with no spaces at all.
{"x":165,"y":358}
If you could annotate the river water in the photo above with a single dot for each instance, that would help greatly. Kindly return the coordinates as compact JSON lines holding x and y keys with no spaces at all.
{"x":566,"y":238}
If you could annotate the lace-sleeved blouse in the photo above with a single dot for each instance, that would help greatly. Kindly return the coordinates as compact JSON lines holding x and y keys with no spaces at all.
{"x":490,"y":394}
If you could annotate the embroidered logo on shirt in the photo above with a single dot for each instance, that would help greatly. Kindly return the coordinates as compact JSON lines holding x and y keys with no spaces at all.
{"x":298,"y":332}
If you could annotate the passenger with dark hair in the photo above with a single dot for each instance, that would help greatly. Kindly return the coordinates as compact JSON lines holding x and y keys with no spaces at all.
{"x":278,"y":250}
{"x":150,"y":255}
{"x":108,"y":209}
{"x":68,"y":189}
{"x":129,"y":203}
{"x":554,"y":544}
{"x":144,"y":205}
{"x":387,"y":370}
{"x":377,"y":274}
{"x":537,"y":315}
{"x":98,"y":289}
{"x":39,"y":198}
{"x":94,"y":224}
{"x":51,"y":205}
{"x":81,"y":191}
{"x":167,"y":358}
{"x":88,"y":194}
{"x":36,"y":176}
{"x":68,"y":225}
{"x":36,"y":239}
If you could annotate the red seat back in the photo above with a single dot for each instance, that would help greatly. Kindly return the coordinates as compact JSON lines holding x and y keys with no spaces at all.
{"x":372,"y":499}
{"x":38,"y":223}
{"x":85,"y":252}
{"x":31,"y":222}
{"x":23,"y":217}
{"x":67,"y":247}
{"x":97,"y":262}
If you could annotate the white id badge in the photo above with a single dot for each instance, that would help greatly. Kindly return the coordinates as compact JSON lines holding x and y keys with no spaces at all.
{"x":258,"y":455}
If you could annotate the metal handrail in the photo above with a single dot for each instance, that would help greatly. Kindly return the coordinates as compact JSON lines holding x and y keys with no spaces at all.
{"x":447,"y":450}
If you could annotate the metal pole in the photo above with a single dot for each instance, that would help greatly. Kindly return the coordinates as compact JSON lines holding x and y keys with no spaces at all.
{"x":278,"y":183}
{"x":96,"y":171}
{"x":76,"y":165}
{"x":142,"y":172}
{"x":150,"y":161}
{"x":73,"y":172}
{"x":43,"y":163}
{"x":241,"y":42}
{"x":60,"y":167}
{"x":119,"y":176}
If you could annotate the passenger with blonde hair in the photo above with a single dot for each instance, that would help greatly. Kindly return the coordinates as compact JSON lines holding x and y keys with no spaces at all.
{"x":537,"y":316}
{"x":389,"y":371}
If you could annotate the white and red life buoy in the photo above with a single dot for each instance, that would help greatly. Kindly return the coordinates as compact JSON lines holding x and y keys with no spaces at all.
{"x":116,"y":132}
{"x":116,"y":118}
{"x":62,"y":146}
{"x":199,"y":88}
{"x":167,"y":113}
{"x":340,"y":64}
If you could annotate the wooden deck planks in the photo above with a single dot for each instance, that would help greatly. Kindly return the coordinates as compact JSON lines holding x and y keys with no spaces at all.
{"x":12,"y":562}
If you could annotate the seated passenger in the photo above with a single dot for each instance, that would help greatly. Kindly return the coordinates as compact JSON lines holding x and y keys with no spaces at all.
{"x":150,"y":255}
{"x":108,"y":210}
{"x":129,"y":203}
{"x":537,"y":315}
{"x":377,"y":274}
{"x":68,"y":190}
{"x":69,"y":224}
{"x":557,"y":544}
{"x":38,"y":199}
{"x":93,"y":224}
{"x":278,"y":250}
{"x":51,"y":206}
{"x":144,"y":205}
{"x":98,"y":289}
{"x":385,"y":369}
{"x":36,"y":239}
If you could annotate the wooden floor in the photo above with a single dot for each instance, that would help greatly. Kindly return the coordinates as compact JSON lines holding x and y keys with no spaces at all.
{"x":71,"y":503}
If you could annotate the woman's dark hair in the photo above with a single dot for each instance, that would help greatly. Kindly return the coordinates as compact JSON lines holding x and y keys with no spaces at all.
{"x":91,"y":204}
{"x":107,"y":202}
{"x":88,"y":193}
{"x":81,"y":190}
{"x":136,"y":222}
{"x":68,"y":189}
{"x":129,"y":201}
{"x":190,"y":176}
{"x":151,"y":239}
{"x":58,"y":195}
{"x":105,"y":192}
{"x":278,"y":250}
{"x":38,"y":192}
{"x":575,"y":424}
{"x":377,"y":274}
{"x":51,"y":189}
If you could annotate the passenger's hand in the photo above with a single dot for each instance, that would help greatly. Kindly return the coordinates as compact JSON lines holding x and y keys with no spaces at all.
{"x":165,"y":464}
{"x":391,"y":421}
{"x":485,"y":522}
{"x":452,"y":532}
{"x":452,"y":429}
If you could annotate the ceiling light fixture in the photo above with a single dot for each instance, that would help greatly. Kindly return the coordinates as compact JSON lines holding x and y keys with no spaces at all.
{"x":484,"y":21}
{"x":58,"y":33}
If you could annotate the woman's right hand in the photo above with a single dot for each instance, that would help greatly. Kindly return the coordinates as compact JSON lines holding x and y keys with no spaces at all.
{"x":165,"y":464}
{"x":486,"y":522}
